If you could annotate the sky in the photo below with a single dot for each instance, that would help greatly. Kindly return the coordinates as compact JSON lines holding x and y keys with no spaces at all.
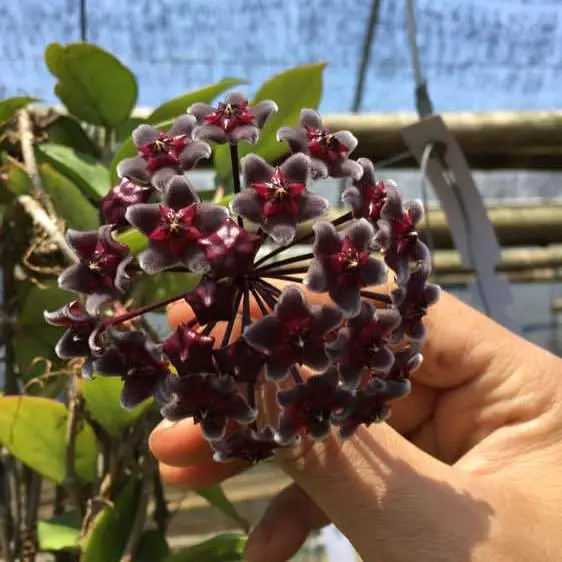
{"x":477,"y":54}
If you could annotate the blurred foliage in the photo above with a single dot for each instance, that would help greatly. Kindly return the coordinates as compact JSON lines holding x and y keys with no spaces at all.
{"x":55,"y":425}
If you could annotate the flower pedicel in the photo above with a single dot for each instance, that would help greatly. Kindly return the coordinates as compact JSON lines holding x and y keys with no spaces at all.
{"x":360,"y":345}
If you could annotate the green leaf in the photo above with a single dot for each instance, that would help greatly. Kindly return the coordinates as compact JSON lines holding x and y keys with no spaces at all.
{"x":177,"y":106}
{"x":108,"y":535}
{"x":152,"y":288}
{"x":163,"y":116}
{"x":222,"y":548}
{"x":68,"y":201}
{"x":153,"y":547}
{"x":60,"y":532}
{"x":217,"y":498}
{"x":123,"y":130}
{"x":292,"y":90}
{"x":18,"y":181}
{"x":67,"y":131}
{"x":33,"y":429}
{"x":134,"y":239}
{"x":84,"y":170}
{"x":10,"y":106}
{"x":102,"y":397}
{"x":34,"y":337}
{"x":93,"y":85}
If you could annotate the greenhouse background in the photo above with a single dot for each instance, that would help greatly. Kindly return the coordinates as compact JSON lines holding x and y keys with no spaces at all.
{"x":477,"y":56}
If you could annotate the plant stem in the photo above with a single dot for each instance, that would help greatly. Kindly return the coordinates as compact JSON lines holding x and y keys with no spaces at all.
{"x":230,"y":325}
{"x":381,"y":297}
{"x":286,"y":278}
{"x":236,"y":174}
{"x":6,"y":522}
{"x":288,"y":261}
{"x":208,"y":328}
{"x":161,"y":511}
{"x":267,"y":296}
{"x":283,"y":271}
{"x":75,"y":405}
{"x":246,"y":321}
{"x":272,"y":289}
{"x":295,"y":373}
{"x":259,"y":300}
{"x":336,"y":222}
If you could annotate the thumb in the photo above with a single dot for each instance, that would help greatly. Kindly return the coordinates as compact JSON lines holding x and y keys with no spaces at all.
{"x":391,"y":500}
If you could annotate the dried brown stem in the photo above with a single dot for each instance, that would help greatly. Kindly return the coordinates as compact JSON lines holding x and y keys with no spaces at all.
{"x":75,"y":407}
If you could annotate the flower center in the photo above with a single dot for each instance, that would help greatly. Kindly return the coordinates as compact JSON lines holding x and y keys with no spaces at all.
{"x":230,"y":115}
{"x":324,"y":144}
{"x":280,"y":194}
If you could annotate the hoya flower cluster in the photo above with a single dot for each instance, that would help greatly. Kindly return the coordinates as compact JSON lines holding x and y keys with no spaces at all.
{"x":337,"y":359}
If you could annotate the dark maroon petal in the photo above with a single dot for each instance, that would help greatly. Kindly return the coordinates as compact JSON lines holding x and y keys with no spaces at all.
{"x":162,"y":176}
{"x":189,"y":351}
{"x":192,"y":153}
{"x":156,"y":258}
{"x":96,"y":300}
{"x":347,"y":298}
{"x":312,"y":206}
{"x":135,"y":169}
{"x":240,"y":360}
{"x":327,"y":241}
{"x":74,"y":278}
{"x":277,"y":367}
{"x":144,"y":134}
{"x":383,"y":236}
{"x":351,"y":375}
{"x":318,"y":169}
{"x":249,"y":205}
{"x":373,"y":272}
{"x":416,"y":330}
{"x":246,"y":444}
{"x":387,"y":320}
{"x":144,"y":216}
{"x":137,"y":390}
{"x":319,"y":430}
{"x":213,"y":428}
{"x":296,"y":168}
{"x":248,"y":133}
{"x":240,"y":411}
{"x":112,"y":362}
{"x":287,"y":429}
{"x":295,"y":137}
{"x":235,"y":98}
{"x":210,"y":133}
{"x":393,"y":208}
{"x":256,"y":169}
{"x":348,"y":140}
{"x":336,"y":347}
{"x":179,"y":193}
{"x":353,"y":199}
{"x":360,"y":233}
{"x":431,"y":293}
{"x":400,"y":265}
{"x":326,"y":318}
{"x":310,"y":118}
{"x":315,"y":357}
{"x":195,"y":260}
{"x":183,"y":125}
{"x":122,"y":277}
{"x":368,"y":175}
{"x":210,"y":217}
{"x":72,"y":345}
{"x":262,"y":110}
{"x":382,"y":360}
{"x":200,"y":110}
{"x":263,"y":334}
{"x":291,"y":303}
{"x":82,"y":242}
{"x":316,"y":279}
{"x":415,"y":210}
{"x":346,"y":169}
{"x":212,"y":301}
{"x":282,"y":229}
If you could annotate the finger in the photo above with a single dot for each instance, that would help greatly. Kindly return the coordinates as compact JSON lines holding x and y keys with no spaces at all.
{"x":202,"y":475}
{"x":179,"y":444}
{"x":385,"y":494}
{"x":285,"y":526}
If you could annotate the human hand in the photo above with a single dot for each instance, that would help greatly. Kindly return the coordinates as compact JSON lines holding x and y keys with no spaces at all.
{"x":467,"y":468}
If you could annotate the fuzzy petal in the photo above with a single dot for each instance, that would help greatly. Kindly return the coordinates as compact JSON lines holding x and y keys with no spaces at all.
{"x":315,"y":358}
{"x":144,"y":216}
{"x":352,"y":198}
{"x":291,"y":303}
{"x":318,"y":169}
{"x":156,"y":258}
{"x":312,"y":206}
{"x":200,"y":110}
{"x":162,"y":176}
{"x":195,"y":260}
{"x":144,"y":134}
{"x":135,"y":169}
{"x":310,"y":118}
{"x":368,"y":176}
{"x":183,"y":125}
{"x":192,"y":153}
{"x":256,"y":169}
{"x":248,"y":133}
{"x":277,"y":368}
{"x":136,"y":390}
{"x":83,"y":243}
{"x":351,"y":375}
{"x":316,"y":279}
{"x":326,"y":318}
{"x":249,"y":205}
{"x":210,"y":217}
{"x":415,"y":210}
{"x":213,"y":428}
{"x":262,"y":110}
{"x":281,"y":228}
{"x":360,"y":233}
{"x":347,"y":299}
{"x":348,"y":140}
{"x":263,"y":334}
{"x":179,"y":193}
{"x":327,"y":240}
{"x":210,"y":133}
{"x":346,"y":169}
{"x":295,"y":137}
{"x":296,"y":168}
{"x":373,"y":272}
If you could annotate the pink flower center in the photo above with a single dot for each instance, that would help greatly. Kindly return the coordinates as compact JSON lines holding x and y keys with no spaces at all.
{"x":103,"y":262}
{"x":176,"y":227}
{"x":324,"y":145}
{"x":404,"y":230}
{"x":349,"y":260}
{"x":375,"y":197}
{"x":228,"y":116}
{"x":162,"y":152}
{"x":280,"y":195}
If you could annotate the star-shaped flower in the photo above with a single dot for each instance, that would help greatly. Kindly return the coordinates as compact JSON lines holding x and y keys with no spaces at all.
{"x":293,"y":334}
{"x":210,"y":400}
{"x":233,"y":120}
{"x":362,"y":343}
{"x":114,"y":205}
{"x":134,"y":358}
{"x":175,"y":228}
{"x":329,"y":151}
{"x":163,"y":155}
{"x":240,"y":360}
{"x":189,"y":351}
{"x":247,"y":444}
{"x":342,"y":264}
{"x":101,"y":272}
{"x":308,"y":408}
{"x":277,"y":198}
